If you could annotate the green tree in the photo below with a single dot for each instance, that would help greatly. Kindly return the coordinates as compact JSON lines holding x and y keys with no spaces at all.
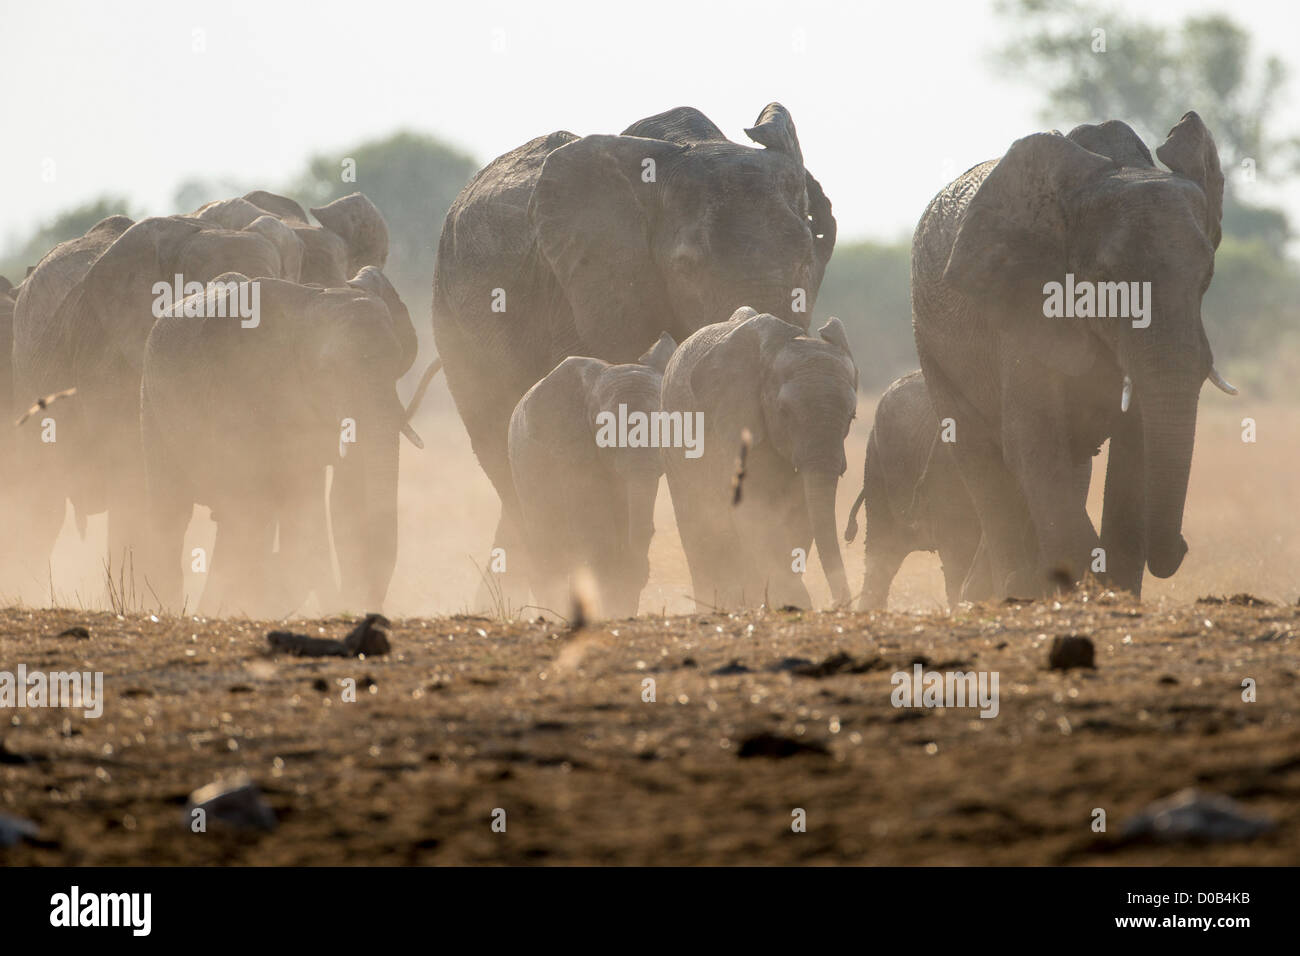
{"x":66,"y":225}
{"x":413,"y":178}
{"x":1096,"y":63}
{"x":867,"y":285}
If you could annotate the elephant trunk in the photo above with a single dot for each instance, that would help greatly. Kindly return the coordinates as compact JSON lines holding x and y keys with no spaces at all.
{"x":819,"y":495}
{"x":363,"y":507}
{"x":1169,"y":432}
{"x":640,"y":529}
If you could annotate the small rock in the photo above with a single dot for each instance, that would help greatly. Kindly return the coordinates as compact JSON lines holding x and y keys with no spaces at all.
{"x":76,"y":631}
{"x":772,"y":745}
{"x":735,"y":667}
{"x":300,"y":645}
{"x":237,"y":803}
{"x":9,"y":757}
{"x":1195,"y":816}
{"x":1071,"y":650}
{"x":790,"y":664}
{"x":369,"y":637}
{"x":13,"y":830}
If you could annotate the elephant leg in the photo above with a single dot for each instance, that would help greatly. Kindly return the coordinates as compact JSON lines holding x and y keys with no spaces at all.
{"x":1036,"y":448}
{"x":304,"y":557}
{"x":965,"y":572}
{"x":38,"y":510}
{"x":505,"y":590}
{"x":1123,"y":517}
{"x":170,"y":504}
{"x":885,"y":552}
{"x":1002,"y":518}
{"x":241,"y":560}
{"x":712,"y":548}
{"x":775,"y":535}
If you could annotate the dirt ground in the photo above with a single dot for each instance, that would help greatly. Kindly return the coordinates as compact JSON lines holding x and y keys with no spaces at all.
{"x":468,"y":715}
{"x":473,"y":714}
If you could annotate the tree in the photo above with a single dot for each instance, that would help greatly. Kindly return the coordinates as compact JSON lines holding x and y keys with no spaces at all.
{"x":413,"y":179}
{"x":1097,"y":64}
{"x":66,"y":225}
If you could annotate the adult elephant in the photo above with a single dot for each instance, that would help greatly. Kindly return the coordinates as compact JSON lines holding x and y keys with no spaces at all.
{"x":107,"y":318}
{"x":596,"y":245}
{"x":49,"y":463}
{"x":245,"y":419}
{"x":1033,"y":397}
{"x":352,"y":233}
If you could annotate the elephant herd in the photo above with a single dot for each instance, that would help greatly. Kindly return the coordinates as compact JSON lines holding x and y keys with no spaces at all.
{"x":228,"y":393}
{"x":610,"y":310}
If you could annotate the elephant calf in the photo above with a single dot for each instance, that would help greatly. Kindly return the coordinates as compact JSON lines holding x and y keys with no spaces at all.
{"x":245,"y":416}
{"x":587,"y":498}
{"x":915,"y":499}
{"x":796,"y":395}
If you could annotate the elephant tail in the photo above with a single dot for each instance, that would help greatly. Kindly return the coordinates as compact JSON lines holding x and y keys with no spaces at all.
{"x":423,"y":387}
{"x":851,"y":530}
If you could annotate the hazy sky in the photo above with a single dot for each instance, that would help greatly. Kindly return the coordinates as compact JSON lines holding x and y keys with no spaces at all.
{"x":891,"y":99}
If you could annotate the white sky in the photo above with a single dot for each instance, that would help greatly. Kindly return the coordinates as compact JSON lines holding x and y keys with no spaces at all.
{"x":891,"y":99}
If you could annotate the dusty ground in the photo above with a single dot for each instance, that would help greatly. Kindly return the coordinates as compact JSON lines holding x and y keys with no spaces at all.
{"x":471,"y":714}
{"x":468,"y":715}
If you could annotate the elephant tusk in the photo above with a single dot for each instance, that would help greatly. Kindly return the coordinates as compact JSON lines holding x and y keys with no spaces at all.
{"x":1126,"y":396}
{"x":1221,"y":383}
{"x":413,"y":437}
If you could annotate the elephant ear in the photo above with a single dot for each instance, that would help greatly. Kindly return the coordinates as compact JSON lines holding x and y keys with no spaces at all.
{"x":1113,"y":139}
{"x":591,"y":212}
{"x":657,"y":356}
{"x":5,"y":285}
{"x":833,"y":333}
{"x":117,"y":291}
{"x":361,"y":226}
{"x":1190,"y":152}
{"x":1012,"y":240}
{"x":374,"y":281}
{"x":775,"y":130}
{"x":684,"y":124}
{"x":110,"y":226}
{"x":229,"y":213}
{"x":727,"y":380}
{"x":282,"y":207}
{"x":822,"y":225}
{"x":286,"y":243}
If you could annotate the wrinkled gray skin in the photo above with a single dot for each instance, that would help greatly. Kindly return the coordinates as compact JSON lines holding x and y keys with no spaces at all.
{"x":1034,"y":398}
{"x":593,"y":260}
{"x":244,"y":421}
{"x":914,"y":498}
{"x":797,"y":395}
{"x":582,"y":505}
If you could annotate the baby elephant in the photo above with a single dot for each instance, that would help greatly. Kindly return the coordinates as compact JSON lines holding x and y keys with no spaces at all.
{"x":747,"y":531}
{"x":915,"y":498}
{"x":587,"y":476}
